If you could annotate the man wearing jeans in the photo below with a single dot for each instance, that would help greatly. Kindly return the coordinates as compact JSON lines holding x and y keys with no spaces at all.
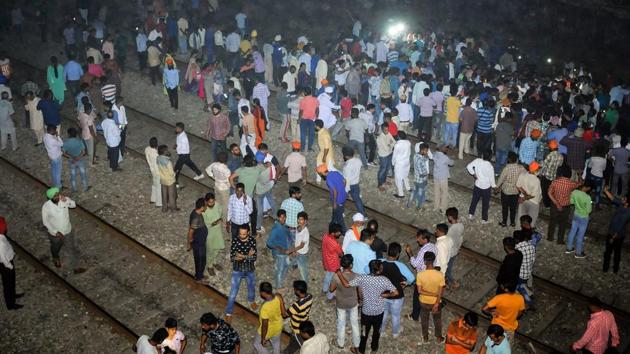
{"x":278,"y":242}
{"x":338,"y":196}
{"x":385,"y":145}
{"x":352,"y":174}
{"x":309,"y":110}
{"x":243,"y":257}
{"x":74,"y":149}
{"x":481,"y":168}
{"x":53,"y":144}
{"x":357,"y":129}
{"x":347,"y":304}
{"x":56,"y":219}
{"x":583,"y":204}
{"x":331,"y":255}
{"x":400,"y":275}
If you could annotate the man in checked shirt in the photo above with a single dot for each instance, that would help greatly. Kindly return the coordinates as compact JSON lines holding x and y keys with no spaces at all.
{"x":417,"y":262}
{"x":601,"y":331}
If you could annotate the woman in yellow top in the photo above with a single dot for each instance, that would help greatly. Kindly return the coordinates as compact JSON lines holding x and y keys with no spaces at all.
{"x":272,"y":311}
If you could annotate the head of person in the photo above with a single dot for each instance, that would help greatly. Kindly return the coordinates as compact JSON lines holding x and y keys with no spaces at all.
{"x":587,"y":186}
{"x":553,"y":145}
{"x":508,"y":244}
{"x":512,"y":157}
{"x":346,"y":261}
{"x":239,"y":190}
{"x":162,"y":150}
{"x":452,"y":215}
{"x":159,"y":336}
{"x":51,"y":129}
{"x":385,"y":128}
{"x":347,"y":152}
{"x":526,"y":222}
{"x":422,"y":236}
{"x":245,"y":110}
{"x":393,"y":250}
{"x":319,"y":124}
{"x":243,"y":232}
{"x":235,"y":150}
{"x":441,"y":230}
{"x":429,"y":259}
{"x":367,"y":236}
{"x":300,"y":289}
{"x":179,"y":127}
{"x":209,"y":199}
{"x":200,"y":205}
{"x":249,"y":160}
{"x":322,"y":170}
{"x":536,"y":134}
{"x":282,"y":216}
{"x":222,"y":157}
{"x":307,"y":329}
{"x":470,"y":320}
{"x":236,"y":93}
{"x":171,"y":326}
{"x":423,"y":149}
{"x":533,"y":167}
{"x":376,"y":267}
{"x":334,"y":229}
{"x":302,"y":219}
{"x":354,"y":113}
{"x":595,"y":305}
{"x":496,"y":333}
{"x":266,"y":290}
{"x":371,"y":108}
{"x":373,"y":225}
{"x":53,"y":194}
{"x":209,"y":322}
{"x":292,"y":69}
{"x":402,"y":135}
{"x":72,"y":132}
{"x":216,"y":109}
{"x":358,"y":219}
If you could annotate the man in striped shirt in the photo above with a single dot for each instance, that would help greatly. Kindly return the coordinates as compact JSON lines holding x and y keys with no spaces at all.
{"x":485,"y":118}
{"x":417,"y":262}
{"x":298,"y":313}
{"x":601,"y":331}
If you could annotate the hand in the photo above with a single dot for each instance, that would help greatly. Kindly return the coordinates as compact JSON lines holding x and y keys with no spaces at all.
{"x":403,"y":284}
{"x":251,"y":252}
{"x":264,"y":342}
{"x":189,"y":247}
{"x":521,"y":200}
{"x":606,"y":188}
{"x":303,"y":182}
{"x":559,"y":207}
{"x":407,"y":248}
{"x":436,"y":307}
{"x":59,"y":235}
{"x":228,"y":227}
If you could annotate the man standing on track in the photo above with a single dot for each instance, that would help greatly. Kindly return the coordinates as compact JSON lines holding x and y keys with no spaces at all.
{"x":111,"y":131}
{"x":481,"y":168}
{"x":183,"y":153}
{"x":400,"y":161}
{"x":53,"y":144}
{"x":171,"y":82}
{"x":56,"y":219}
{"x":243,"y":256}
{"x":218,"y":130}
{"x":7,"y":269}
{"x":151,"y":154}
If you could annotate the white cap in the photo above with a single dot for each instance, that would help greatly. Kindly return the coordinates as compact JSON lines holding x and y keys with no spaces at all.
{"x":277,"y":38}
{"x":358,"y":217}
{"x":329,"y":89}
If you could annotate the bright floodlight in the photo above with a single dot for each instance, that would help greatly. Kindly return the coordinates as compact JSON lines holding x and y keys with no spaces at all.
{"x":396,"y":29}
{"x":548,"y":60}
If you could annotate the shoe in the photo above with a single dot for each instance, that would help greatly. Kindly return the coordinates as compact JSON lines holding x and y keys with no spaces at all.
{"x":57,"y":264}
{"x":502,"y":224}
{"x":253,"y":306}
{"x":439,"y":339}
{"x":399,"y":196}
{"x":198,"y":177}
{"x":79,"y":270}
{"x":580,"y":256}
{"x":484,"y":222}
{"x":512,"y":225}
{"x":471,"y":216}
{"x":227,"y":318}
{"x":373,"y":164}
{"x":218,"y":267}
{"x":395,"y":335}
{"x":16,"y":307}
{"x":353,"y":350}
{"x":569,"y":251}
{"x":411,"y":318}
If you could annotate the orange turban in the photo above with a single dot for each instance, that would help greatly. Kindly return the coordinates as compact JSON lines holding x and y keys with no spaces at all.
{"x":553,"y":144}
{"x":536,"y":133}
{"x":169,"y":61}
{"x":296,"y":145}
{"x":324,"y":82}
{"x":321,"y":169}
{"x":534,"y":166}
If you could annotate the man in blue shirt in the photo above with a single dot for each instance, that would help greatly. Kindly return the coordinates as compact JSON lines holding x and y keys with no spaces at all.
{"x":485,"y":118}
{"x":278,"y":242}
{"x":74,"y":150}
{"x":171,"y":81}
{"x":72,"y":72}
{"x":337,"y":187}
{"x":361,"y":252}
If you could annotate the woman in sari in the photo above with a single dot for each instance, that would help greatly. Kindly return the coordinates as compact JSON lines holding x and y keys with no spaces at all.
{"x":193,"y":73}
{"x":260,"y":121}
{"x":54,"y":77}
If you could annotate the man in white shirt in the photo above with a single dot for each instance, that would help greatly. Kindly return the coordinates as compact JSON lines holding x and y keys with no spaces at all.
{"x":182,"y":147}
{"x":352,"y":174}
{"x":405,"y":114}
{"x":530,"y":191}
{"x":7,"y":269}
{"x":481,"y":168}
{"x":232,"y":46}
{"x":290,"y":78}
{"x":56,"y":219}
{"x":381,"y":51}
{"x":120,"y":110}
{"x":401,"y":163}
{"x":146,"y":345}
{"x":151,"y":154}
{"x":314,"y":343}
{"x":220,"y":173}
{"x":444,"y":245}
{"x":53,"y":144}
{"x":326,"y":107}
{"x":354,"y":232}
{"x":111,"y":131}
{"x":456,"y":234}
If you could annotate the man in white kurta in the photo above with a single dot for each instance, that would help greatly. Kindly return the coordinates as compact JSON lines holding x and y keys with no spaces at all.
{"x":151,"y":154}
{"x":401,"y":162}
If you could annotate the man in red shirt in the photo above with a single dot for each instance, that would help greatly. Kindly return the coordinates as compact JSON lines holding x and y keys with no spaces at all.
{"x":331,"y":256}
{"x":309,"y":110}
{"x":601,"y":331}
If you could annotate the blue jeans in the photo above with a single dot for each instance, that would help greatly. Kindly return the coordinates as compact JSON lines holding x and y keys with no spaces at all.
{"x":377,"y":106}
{"x":521,"y":288}
{"x":259,"y":204}
{"x":501,"y":160}
{"x":598,"y":182}
{"x":237,"y":276}
{"x":450,"y":133}
{"x":384,"y":165}
{"x":302,"y":262}
{"x":307,"y":130}
{"x":418,"y":194}
{"x":337,"y":217}
{"x":578,"y":229}
{"x":182,"y":43}
{"x":351,"y":315}
{"x":361,"y":147}
{"x":281,"y":267}
{"x":355,"y":193}
{"x":449,"y":270}
{"x":326,"y":285}
{"x":56,"y":167}
{"x":393,"y":307}
{"x":80,"y":165}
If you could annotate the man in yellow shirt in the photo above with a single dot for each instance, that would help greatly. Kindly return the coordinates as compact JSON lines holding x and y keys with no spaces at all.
{"x":506,"y":308}
{"x":326,"y":153}
{"x":272,"y":311}
{"x":430,"y":283}
{"x":453,"y":104}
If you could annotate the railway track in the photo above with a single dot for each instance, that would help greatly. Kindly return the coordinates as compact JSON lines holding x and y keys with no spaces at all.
{"x":473,"y":261}
{"x":134,"y":286}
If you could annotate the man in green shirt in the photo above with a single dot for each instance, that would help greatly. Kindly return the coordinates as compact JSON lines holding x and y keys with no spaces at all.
{"x":248,"y":175}
{"x":213,"y":217}
{"x":583,"y":204}
{"x":74,"y":150}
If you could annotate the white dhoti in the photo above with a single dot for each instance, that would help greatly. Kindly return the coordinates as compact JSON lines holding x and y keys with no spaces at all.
{"x":401,"y":178}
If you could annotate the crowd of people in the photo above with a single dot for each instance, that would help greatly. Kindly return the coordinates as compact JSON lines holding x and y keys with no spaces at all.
{"x":541,"y":140}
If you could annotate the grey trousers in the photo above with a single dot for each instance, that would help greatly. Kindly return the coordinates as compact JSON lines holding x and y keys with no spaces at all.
{"x":56,"y":243}
{"x":169,"y":197}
